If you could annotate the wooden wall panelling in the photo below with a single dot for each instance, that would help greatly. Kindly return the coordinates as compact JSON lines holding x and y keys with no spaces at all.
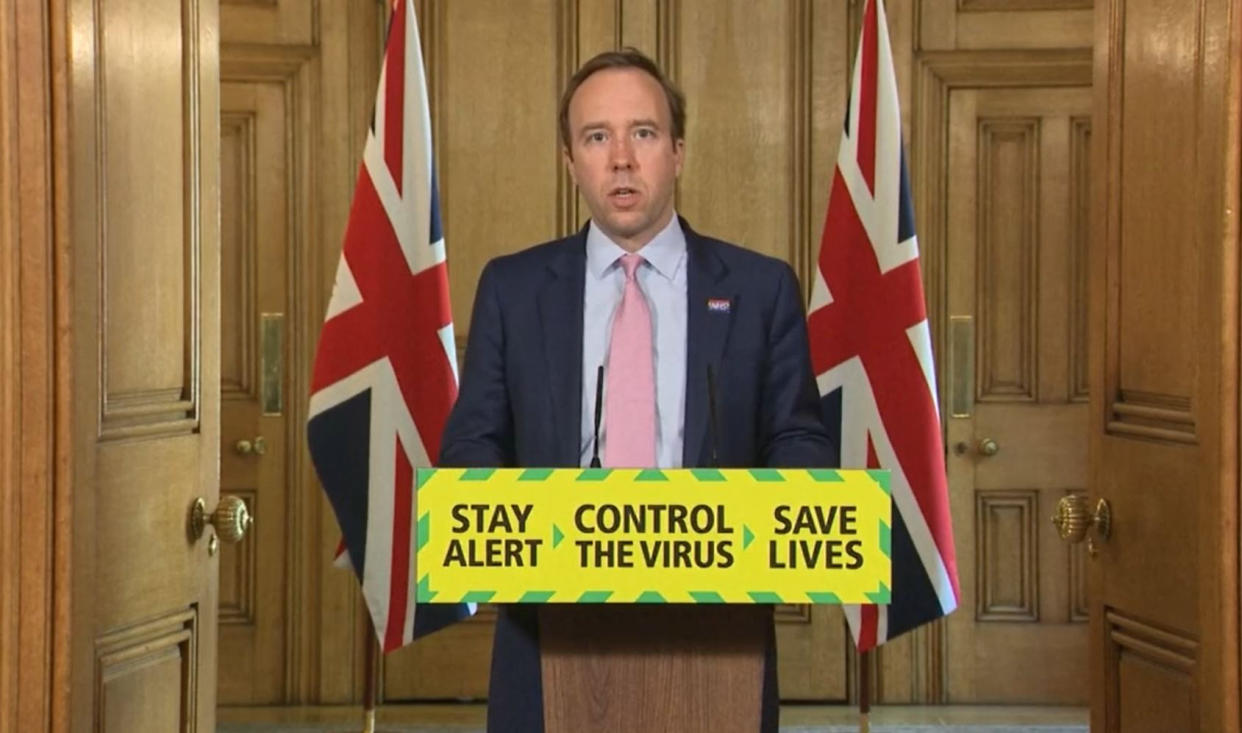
{"x":346,"y":70}
{"x":568,"y":26}
{"x":271,"y":21}
{"x":500,"y":152}
{"x":34,"y":650}
{"x":1004,"y":24}
{"x":743,"y":178}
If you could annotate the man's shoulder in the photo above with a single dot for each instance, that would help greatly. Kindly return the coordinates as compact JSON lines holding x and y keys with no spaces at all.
{"x":534,"y":258}
{"x":746,"y":262}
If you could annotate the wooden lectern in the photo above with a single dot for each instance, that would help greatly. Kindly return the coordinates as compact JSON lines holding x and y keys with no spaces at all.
{"x":653,"y":667}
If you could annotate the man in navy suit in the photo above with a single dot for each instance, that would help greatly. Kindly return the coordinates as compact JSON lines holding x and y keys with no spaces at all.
{"x":544,"y":319}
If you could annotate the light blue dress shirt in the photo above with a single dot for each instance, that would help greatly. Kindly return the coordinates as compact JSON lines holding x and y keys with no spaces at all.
{"x":662,"y":278}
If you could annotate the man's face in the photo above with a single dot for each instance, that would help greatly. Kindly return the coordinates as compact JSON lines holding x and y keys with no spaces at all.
{"x":622,"y":155}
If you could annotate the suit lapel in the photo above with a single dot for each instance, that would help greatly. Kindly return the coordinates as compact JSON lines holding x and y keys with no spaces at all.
{"x":709,"y":314}
{"x":560,"y":313}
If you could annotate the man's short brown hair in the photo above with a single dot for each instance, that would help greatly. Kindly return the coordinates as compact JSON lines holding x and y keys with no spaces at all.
{"x":626,"y":58}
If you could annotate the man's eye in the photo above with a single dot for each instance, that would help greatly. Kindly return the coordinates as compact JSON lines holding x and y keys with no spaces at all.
{"x":595,"y":137}
{"x":644,"y":132}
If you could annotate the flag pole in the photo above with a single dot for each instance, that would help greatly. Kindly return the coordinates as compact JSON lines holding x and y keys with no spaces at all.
{"x":864,"y":692}
{"x":370,"y":683}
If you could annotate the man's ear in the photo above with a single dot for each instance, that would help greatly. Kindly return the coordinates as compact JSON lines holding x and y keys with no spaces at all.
{"x":568,"y":158}
{"x":679,"y":153}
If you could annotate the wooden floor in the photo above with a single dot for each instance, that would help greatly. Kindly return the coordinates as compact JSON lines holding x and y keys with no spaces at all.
{"x":467,"y":718}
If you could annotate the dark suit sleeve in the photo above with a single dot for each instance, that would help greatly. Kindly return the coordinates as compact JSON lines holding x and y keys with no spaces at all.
{"x":479,"y":431}
{"x":792,"y":434}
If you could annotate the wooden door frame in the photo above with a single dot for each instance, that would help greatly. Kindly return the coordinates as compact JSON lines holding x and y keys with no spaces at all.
{"x":36,"y":479}
{"x":937,"y":74}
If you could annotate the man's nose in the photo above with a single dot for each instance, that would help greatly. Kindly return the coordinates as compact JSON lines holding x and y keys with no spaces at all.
{"x":622,"y":154}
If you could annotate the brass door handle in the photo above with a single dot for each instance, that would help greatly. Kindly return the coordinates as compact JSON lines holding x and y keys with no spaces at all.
{"x":256,"y":447}
{"x":231,"y":519}
{"x":1074,"y":520}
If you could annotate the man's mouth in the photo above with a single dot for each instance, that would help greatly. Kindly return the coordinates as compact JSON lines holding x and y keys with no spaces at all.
{"x":623,"y":195}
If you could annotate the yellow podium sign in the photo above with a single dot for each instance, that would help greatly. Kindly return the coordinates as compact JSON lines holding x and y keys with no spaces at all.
{"x":656,"y":536}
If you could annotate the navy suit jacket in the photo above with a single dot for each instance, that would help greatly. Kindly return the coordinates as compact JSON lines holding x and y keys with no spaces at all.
{"x":520,"y":400}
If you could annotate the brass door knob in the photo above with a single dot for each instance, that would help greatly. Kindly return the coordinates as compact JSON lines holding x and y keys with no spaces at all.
{"x":988,"y":447}
{"x":231,"y":519}
{"x":256,"y":447}
{"x":1074,"y":520}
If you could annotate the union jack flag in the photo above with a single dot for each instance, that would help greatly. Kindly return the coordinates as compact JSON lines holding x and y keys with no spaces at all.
{"x":871,"y":345}
{"x":385,"y":371}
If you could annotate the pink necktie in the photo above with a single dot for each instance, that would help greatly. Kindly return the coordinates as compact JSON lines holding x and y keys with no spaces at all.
{"x":629,"y":405}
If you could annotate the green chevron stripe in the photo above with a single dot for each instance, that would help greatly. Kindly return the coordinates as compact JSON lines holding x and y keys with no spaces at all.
{"x":422,"y":476}
{"x":595,"y":596}
{"x":825,"y":475}
{"x":766,"y":474}
{"x":425,"y":594}
{"x":651,"y":474}
{"x":477,"y":474}
{"x":706,"y":596}
{"x":764,"y":596}
{"x":535,"y":474}
{"x":883,"y":595}
{"x":424,"y":529}
{"x":886,"y":539}
{"x":478,"y":596}
{"x":747,"y":537}
{"x":823,"y":597}
{"x":650,"y":596}
{"x":883,"y":477}
{"x":557,"y":536}
{"x":593,"y":474}
{"x":707,"y":474}
{"x":536,"y":596}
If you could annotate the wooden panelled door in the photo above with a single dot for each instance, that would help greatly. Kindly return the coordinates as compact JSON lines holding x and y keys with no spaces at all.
{"x":1017,"y":388}
{"x":1164,"y":367}
{"x":258,"y":137}
{"x":139,"y":200}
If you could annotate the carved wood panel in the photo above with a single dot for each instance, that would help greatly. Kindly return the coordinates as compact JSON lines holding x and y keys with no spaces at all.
{"x":1008,"y":274}
{"x":1006,"y":556}
{"x":148,"y":355}
{"x":1149,"y":676}
{"x":145,"y":676}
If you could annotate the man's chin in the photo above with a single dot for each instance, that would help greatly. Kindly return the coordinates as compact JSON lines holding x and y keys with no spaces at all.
{"x":624,"y":227}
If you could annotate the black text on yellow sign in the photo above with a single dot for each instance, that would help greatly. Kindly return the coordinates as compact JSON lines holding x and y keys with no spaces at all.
{"x":693,"y":535}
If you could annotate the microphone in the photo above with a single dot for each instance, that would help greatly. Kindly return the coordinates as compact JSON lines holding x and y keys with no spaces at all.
{"x":599,"y":411}
{"x":711,"y":415}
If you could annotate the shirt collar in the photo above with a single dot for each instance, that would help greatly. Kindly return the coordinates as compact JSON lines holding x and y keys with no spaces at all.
{"x":665,"y":252}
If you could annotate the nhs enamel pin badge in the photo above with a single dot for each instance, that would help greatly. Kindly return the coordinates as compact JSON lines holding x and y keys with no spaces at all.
{"x":718,"y":305}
